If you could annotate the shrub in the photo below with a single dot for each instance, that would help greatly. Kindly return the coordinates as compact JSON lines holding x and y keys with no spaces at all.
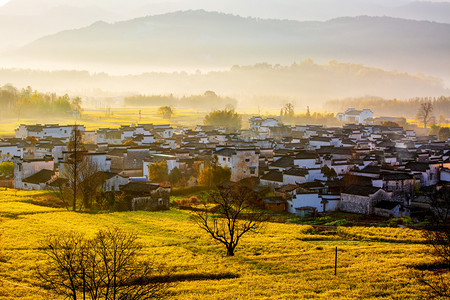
{"x":186,"y":191}
{"x":194,"y":200}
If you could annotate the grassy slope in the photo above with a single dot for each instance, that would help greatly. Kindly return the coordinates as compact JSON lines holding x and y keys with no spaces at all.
{"x":283,"y":262}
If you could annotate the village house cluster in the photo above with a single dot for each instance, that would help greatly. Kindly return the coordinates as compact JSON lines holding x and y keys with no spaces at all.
{"x":308,"y":169}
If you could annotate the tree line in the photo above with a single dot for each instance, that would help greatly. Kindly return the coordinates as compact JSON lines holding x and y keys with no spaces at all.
{"x":27,"y":102}
{"x":209,"y":100}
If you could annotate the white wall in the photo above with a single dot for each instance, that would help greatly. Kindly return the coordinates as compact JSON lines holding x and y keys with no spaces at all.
{"x":314,"y":174}
{"x":301,"y":200}
{"x":291,"y":179}
{"x":305,"y":163}
{"x":8,"y":152}
{"x":445,"y":176}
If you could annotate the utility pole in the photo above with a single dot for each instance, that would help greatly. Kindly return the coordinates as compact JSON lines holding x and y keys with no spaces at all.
{"x":335,"y":262}
{"x":75,"y":167}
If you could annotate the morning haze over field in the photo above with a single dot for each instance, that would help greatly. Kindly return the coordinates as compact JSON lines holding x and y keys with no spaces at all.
{"x":212,"y":149}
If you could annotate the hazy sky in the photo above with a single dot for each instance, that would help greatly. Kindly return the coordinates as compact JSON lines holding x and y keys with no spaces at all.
{"x":2,"y":2}
{"x":279,"y":9}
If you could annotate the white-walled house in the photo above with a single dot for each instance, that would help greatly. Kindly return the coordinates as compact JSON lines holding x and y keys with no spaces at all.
{"x":98,"y":162}
{"x":427,"y":171}
{"x":319,"y":141}
{"x":306,"y":160}
{"x":259,"y":124}
{"x":148,"y":139}
{"x":112,"y":181}
{"x":38,"y":181}
{"x":243,"y":162}
{"x":310,"y":199}
{"x":355,"y":116}
{"x":163,"y":131}
{"x":295,"y":176}
{"x":109,"y":136}
{"x":262,"y":126}
{"x":170,"y":159}
{"x":445,"y":174}
{"x":48,"y":130}
{"x":8,"y":152}
{"x":315,"y":174}
{"x":272,"y":179}
{"x":24,"y":168}
{"x":362,"y":199}
{"x":89,"y":137}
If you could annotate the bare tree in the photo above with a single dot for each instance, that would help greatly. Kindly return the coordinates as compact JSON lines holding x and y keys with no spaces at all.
{"x":73,"y":163}
{"x":289,"y":113}
{"x":90,"y":180}
{"x":425,"y":112}
{"x":81,"y":173}
{"x":437,"y":236}
{"x":104,"y":267}
{"x":228,"y":214}
{"x":66,"y":255}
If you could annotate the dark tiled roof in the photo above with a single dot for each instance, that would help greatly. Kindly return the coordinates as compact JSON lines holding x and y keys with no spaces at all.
{"x":385,"y":144}
{"x":273,"y":175}
{"x":226,"y":152}
{"x":348,"y":142}
{"x":353,"y":112}
{"x":371,"y":169}
{"x":384,"y":204}
{"x":350,"y":179}
{"x":305,"y":191}
{"x":361,"y":190}
{"x":312,"y":185}
{"x":396,"y":176}
{"x":105,"y":175}
{"x":283,"y":162}
{"x":320,"y":139}
{"x":139,"y":187}
{"x":59,"y":182}
{"x":286,"y":188}
{"x":335,"y":150}
{"x":296,"y":172}
{"x":117,"y":152}
{"x":418,"y":166}
{"x":305,"y":155}
{"x":42,"y":176}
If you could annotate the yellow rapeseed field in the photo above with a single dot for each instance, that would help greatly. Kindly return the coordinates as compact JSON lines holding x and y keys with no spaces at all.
{"x":93,"y":119}
{"x":283,"y":261}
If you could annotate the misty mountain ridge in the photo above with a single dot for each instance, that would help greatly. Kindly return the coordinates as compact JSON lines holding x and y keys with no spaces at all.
{"x":200,"y":39}
{"x":22,"y":21}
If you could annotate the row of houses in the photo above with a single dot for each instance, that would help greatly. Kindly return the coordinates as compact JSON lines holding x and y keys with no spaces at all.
{"x":367,"y":169}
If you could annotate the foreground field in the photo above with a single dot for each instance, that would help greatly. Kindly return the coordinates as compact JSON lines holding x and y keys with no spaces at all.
{"x":285,"y":261}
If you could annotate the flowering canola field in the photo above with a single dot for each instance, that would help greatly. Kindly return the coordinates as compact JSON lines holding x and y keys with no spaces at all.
{"x":283,"y":261}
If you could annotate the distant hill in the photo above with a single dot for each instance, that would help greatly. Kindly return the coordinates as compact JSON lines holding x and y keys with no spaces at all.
{"x":200,"y":39}
{"x":23,"y":21}
{"x":304,"y":83}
